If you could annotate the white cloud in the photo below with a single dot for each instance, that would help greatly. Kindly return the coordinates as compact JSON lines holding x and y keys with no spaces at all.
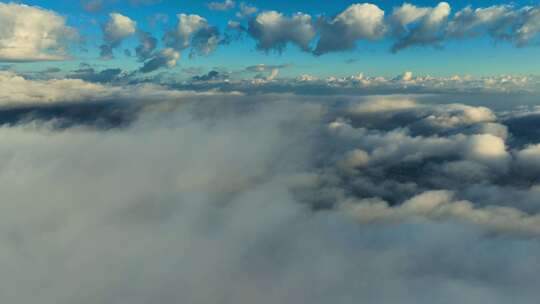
{"x":30,"y":33}
{"x":419,"y":25}
{"x":264,"y":188}
{"x":118,"y":28}
{"x":16,"y":90}
{"x":529,"y":159}
{"x":441,"y":206}
{"x":471,"y":22}
{"x":193,"y":31}
{"x":358,"y":21}
{"x":165,"y":58}
{"x":528,"y":25}
{"x":379,"y":105}
{"x":273,"y":31}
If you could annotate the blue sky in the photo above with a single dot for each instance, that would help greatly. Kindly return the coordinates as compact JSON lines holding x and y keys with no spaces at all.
{"x":480,"y":56}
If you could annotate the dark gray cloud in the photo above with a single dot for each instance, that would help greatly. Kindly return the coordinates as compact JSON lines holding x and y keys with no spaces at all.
{"x":104,"y":76}
{"x":210,"y":76}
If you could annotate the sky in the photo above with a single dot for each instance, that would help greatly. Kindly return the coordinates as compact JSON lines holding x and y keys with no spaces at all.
{"x":475,"y":52}
{"x":269,"y":152}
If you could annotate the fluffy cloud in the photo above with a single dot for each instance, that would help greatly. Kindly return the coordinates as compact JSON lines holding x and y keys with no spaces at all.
{"x":529,"y":159}
{"x":32,"y":34}
{"x":268,"y":190}
{"x":273,"y":31}
{"x":440,"y":205}
{"x":165,"y":58}
{"x":334,"y":197}
{"x":115,"y":31}
{"x":195,"y":32}
{"x":528,"y":25}
{"x":16,"y":90}
{"x":358,"y":21}
{"x":408,"y":25}
{"x":471,"y":22}
{"x":419,"y":25}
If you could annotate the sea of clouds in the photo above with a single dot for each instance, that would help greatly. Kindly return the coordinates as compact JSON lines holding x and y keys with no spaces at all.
{"x":147,"y":194}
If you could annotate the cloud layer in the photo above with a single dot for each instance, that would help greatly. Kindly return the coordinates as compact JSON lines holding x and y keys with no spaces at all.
{"x":241,"y":198}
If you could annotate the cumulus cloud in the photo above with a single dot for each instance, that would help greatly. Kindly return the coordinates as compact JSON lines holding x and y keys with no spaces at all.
{"x":419,"y":25}
{"x":274,"y":31}
{"x":118,"y":28}
{"x":528,"y":25}
{"x":440,"y":205}
{"x":246,"y":10}
{"x":165,"y":58}
{"x":471,"y":22}
{"x":358,"y":21}
{"x":529,"y":159}
{"x":33,"y":34}
{"x":195,"y":32}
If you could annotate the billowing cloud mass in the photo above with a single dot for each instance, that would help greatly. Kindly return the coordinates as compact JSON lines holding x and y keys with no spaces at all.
{"x":141,"y":193}
{"x":33,"y":34}
{"x":471,"y":22}
{"x":267,"y":181}
{"x":357,"y":22}
{"x":273,"y":31}
{"x":47,"y":37}
{"x":419,"y":25}
{"x":194,"y":31}
{"x":115,"y":31}
{"x":406,"y":26}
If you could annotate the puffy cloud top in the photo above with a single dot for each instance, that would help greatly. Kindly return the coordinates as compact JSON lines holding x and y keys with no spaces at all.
{"x":118,"y":28}
{"x":419,"y":25}
{"x":32,"y":34}
{"x":273,"y":31}
{"x":193,"y":31}
{"x":115,"y":31}
{"x":358,"y":21}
